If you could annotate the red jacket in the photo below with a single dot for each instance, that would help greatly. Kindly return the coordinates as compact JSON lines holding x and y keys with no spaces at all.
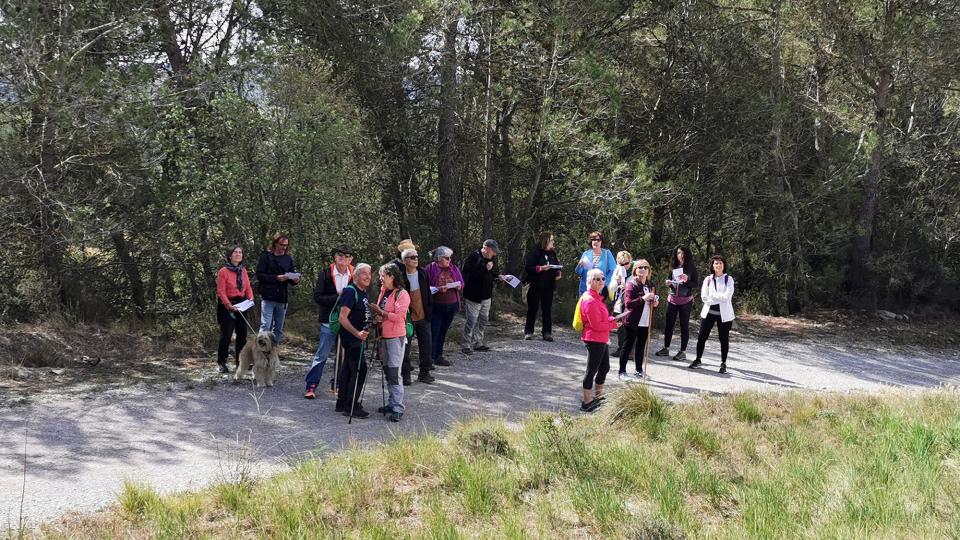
{"x":227,"y":286}
{"x":597,"y":322}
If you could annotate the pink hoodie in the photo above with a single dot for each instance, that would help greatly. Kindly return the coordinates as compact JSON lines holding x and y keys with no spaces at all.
{"x":395,"y":325}
{"x":597,"y":322}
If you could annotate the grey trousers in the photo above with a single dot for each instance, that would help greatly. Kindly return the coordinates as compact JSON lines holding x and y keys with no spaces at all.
{"x":392,"y":355}
{"x":477,"y":316}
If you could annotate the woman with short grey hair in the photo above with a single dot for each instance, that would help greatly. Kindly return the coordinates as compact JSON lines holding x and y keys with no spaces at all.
{"x":446,"y":282}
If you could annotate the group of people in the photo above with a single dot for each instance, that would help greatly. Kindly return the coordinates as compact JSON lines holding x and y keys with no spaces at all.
{"x":419,"y":303}
{"x":628,"y":285}
{"x":415,"y":303}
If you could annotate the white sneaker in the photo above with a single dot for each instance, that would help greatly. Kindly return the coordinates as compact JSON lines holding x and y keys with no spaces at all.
{"x":624,"y":377}
{"x":638,"y":375}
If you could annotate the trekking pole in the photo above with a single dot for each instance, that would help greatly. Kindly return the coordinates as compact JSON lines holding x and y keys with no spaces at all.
{"x":383,"y":370}
{"x":646,"y":348}
{"x":336,"y":368}
{"x":356,"y":382}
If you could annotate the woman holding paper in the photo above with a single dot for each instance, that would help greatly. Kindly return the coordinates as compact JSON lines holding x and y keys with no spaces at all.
{"x":680,"y":301}
{"x":595,"y":257}
{"x":542,"y":272}
{"x":446,"y":282}
{"x":639,"y":299}
{"x":233,"y":287}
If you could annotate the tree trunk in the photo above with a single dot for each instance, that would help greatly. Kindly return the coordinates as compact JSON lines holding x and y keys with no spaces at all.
{"x":860,"y":274}
{"x":505,"y":180}
{"x":131,"y":271}
{"x":449,"y":184}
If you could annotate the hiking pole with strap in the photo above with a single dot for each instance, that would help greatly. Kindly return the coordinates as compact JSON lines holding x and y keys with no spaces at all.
{"x":646,"y":348}
{"x":356,"y":382}
{"x":336,"y":368}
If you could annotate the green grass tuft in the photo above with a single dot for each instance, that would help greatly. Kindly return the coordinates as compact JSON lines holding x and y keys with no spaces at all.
{"x":637,"y":404}
{"x":747,"y":410}
{"x":138,"y":500}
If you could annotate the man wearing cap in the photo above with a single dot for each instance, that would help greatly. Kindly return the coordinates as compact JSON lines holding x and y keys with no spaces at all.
{"x":329,"y":285}
{"x":479,"y":272}
{"x":417,"y":284}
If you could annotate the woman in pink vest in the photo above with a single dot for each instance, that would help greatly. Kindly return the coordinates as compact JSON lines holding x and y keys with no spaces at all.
{"x":391,"y":311}
{"x":597,"y":324}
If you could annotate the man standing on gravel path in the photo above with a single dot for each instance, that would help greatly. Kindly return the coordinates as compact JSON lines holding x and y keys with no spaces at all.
{"x":325,"y":293}
{"x":479,"y":271}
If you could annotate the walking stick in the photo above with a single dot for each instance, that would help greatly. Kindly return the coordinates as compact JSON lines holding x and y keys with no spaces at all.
{"x":356,"y":382}
{"x":646,"y":348}
{"x":336,"y":368}
{"x":383,"y":371}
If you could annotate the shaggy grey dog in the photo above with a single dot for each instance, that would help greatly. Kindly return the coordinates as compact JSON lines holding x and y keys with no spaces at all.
{"x":263,"y":354}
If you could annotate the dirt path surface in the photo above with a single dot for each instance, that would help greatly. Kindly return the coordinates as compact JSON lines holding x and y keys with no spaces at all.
{"x":80,"y":447}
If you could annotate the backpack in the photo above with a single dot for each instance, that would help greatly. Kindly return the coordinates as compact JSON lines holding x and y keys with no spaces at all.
{"x":409,"y":320}
{"x":334,"y":318}
{"x":578,"y":316}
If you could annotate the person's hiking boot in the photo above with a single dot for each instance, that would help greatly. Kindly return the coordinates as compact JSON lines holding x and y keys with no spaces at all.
{"x":481,"y":348}
{"x":623,"y":376}
{"x":340,"y":408}
{"x":466,"y":351}
{"x":680,"y":356}
{"x":527,"y":337}
{"x":311,"y":393}
{"x":723,"y":368}
{"x":547,"y":337}
{"x":222,"y":368}
{"x":442,"y":362}
{"x":358,"y":412}
{"x":426,"y":378}
{"x":663,"y":352}
{"x":638,"y":375}
{"x":395,"y":416}
{"x":386,"y":409}
{"x":407,"y":381}
{"x":694,"y":365}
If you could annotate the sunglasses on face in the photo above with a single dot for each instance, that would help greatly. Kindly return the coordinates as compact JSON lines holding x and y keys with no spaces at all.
{"x":643,"y":267}
{"x":599,"y":279}
{"x":344,"y":255}
{"x":414,"y":257}
{"x":596,"y":239}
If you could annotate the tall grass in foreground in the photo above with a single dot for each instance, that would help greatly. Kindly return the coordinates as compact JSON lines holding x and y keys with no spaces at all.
{"x":751,"y":466}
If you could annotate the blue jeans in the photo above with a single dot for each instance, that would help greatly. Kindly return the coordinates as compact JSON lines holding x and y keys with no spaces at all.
{"x":440,"y":320}
{"x":327,"y":340}
{"x":271,"y":317}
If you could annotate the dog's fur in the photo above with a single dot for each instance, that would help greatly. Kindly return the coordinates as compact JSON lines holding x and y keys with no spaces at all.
{"x":263,"y":354}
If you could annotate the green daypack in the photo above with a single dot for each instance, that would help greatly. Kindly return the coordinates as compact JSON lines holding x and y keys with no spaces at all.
{"x":334,"y":318}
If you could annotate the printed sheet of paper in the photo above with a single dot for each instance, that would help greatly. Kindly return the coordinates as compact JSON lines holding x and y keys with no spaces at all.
{"x":677,"y":272}
{"x":434,"y":290}
{"x":454,"y":285}
{"x":243,"y":306}
{"x":511,"y":280}
{"x":293,"y":275}
{"x":555,"y":266}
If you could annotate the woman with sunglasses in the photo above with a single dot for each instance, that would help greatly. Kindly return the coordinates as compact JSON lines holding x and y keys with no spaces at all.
{"x":597,"y":257}
{"x":446,"y":283}
{"x":638,"y":299}
{"x":597,"y":324}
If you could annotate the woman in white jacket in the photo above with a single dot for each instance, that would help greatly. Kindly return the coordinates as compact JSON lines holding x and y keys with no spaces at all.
{"x":716,"y":293}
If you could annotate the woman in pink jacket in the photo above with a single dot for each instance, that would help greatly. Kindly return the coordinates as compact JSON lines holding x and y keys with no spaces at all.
{"x":391,"y":312}
{"x":597,"y":324}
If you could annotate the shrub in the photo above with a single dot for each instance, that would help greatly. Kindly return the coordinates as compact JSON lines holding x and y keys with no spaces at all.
{"x":747,"y":410}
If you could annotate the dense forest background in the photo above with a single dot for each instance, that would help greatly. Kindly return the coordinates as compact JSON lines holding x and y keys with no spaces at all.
{"x":813,"y":142}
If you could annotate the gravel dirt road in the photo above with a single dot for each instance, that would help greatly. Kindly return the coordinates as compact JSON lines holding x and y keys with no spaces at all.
{"x":80,"y":447}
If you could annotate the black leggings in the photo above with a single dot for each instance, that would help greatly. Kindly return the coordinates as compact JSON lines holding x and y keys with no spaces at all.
{"x":706,"y":325}
{"x":636,"y":339}
{"x":230,"y":322}
{"x":539,"y":298}
{"x":353,"y":372}
{"x":598,"y":364}
{"x":672,"y":311}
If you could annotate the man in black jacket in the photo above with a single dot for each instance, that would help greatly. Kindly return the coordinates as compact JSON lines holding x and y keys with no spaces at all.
{"x":275,"y":269}
{"x":479,"y":272}
{"x":329,"y":285}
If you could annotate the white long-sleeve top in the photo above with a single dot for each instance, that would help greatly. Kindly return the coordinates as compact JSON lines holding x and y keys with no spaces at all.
{"x":618,"y":282}
{"x":718,"y":290}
